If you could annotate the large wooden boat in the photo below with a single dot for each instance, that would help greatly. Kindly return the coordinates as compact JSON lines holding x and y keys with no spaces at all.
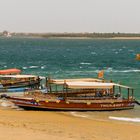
{"x":78,"y":94}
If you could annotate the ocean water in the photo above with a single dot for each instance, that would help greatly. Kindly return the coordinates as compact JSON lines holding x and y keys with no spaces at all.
{"x":75,"y":58}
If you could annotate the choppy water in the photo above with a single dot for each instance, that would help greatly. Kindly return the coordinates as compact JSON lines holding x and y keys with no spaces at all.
{"x":69,"y":58}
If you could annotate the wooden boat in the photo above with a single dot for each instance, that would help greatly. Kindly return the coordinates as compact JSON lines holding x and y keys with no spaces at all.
{"x":12,"y":78}
{"x":10,"y":71}
{"x":78,"y":94}
{"x":16,"y":81}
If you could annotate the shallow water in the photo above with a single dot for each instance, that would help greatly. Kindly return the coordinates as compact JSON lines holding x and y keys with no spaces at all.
{"x":127,"y":116}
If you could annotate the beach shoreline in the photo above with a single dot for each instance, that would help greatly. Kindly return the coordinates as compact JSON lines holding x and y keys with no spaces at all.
{"x":42,"y":125}
{"x":92,"y":38}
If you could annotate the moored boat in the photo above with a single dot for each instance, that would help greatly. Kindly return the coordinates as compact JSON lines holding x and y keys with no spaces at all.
{"x":13,"y":71}
{"x":16,"y":81}
{"x":78,"y":94}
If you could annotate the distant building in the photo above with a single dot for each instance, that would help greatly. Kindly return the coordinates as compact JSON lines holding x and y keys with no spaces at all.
{"x":6,"y":33}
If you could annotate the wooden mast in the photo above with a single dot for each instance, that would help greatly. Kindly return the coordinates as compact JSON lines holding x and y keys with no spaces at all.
{"x":49,"y":84}
{"x":132,"y":93}
{"x":66,"y":90}
{"x":128,"y":93}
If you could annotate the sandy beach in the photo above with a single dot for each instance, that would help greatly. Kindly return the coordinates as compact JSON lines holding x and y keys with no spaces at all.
{"x":39,"y":125}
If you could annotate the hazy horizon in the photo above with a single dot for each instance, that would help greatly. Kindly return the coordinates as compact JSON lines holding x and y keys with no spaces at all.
{"x":71,"y":16}
{"x":26,"y":32}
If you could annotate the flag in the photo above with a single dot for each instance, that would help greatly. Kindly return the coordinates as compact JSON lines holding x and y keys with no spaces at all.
{"x":101,"y":74}
{"x":138,"y":56}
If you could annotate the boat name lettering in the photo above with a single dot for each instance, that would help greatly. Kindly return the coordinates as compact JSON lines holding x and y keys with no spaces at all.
{"x":112,"y":105}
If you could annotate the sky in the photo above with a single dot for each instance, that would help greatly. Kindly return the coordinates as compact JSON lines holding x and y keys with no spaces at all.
{"x":70,"y":16}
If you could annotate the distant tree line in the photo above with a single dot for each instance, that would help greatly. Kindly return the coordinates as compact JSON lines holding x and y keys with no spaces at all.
{"x":91,"y":35}
{"x":88,"y":35}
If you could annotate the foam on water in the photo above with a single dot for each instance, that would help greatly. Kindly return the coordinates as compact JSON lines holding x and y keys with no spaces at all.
{"x":93,"y":53}
{"x":42,"y":67}
{"x":108,"y":70}
{"x":83,"y":63}
{"x":24,"y":68}
{"x":78,"y":115}
{"x":32,"y":67}
{"x":7,"y":104}
{"x":126,"y":71}
{"x":125,"y":119}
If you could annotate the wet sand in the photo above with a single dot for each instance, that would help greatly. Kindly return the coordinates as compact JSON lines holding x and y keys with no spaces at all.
{"x":39,"y":125}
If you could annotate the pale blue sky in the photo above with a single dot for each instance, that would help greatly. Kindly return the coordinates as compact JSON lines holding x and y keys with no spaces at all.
{"x":70,"y":15}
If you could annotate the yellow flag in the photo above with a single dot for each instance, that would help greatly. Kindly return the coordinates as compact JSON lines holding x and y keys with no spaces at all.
{"x":101,"y":74}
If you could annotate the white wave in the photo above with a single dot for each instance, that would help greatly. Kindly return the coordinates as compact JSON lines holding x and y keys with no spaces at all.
{"x":131,"y":50}
{"x":125,"y":119}
{"x":93,"y":53}
{"x":126,"y":71}
{"x":83,"y":63}
{"x":78,"y":115}
{"x":5,"y":103}
{"x":32,"y":67}
{"x":42,"y":67}
{"x":24,"y":68}
{"x":109,"y":70}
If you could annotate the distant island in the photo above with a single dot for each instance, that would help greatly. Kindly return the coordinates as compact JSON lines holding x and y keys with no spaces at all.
{"x":75,"y":35}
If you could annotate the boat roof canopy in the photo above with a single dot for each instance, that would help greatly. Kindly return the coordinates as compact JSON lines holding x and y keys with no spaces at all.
{"x":63,"y":81}
{"x":18,"y":76}
{"x":89,"y":85}
{"x":86,"y":83}
{"x":10,"y":71}
{"x":93,"y":85}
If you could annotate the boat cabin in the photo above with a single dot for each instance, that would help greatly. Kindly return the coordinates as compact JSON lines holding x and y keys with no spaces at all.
{"x":88,"y":88}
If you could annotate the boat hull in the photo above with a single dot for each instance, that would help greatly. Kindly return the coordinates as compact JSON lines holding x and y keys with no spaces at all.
{"x":69,"y":105}
{"x":20,"y":84}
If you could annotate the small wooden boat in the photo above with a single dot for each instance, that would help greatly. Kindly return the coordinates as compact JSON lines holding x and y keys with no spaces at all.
{"x":77,"y":94}
{"x":10,"y":71}
{"x":16,"y":81}
{"x":12,"y":78}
